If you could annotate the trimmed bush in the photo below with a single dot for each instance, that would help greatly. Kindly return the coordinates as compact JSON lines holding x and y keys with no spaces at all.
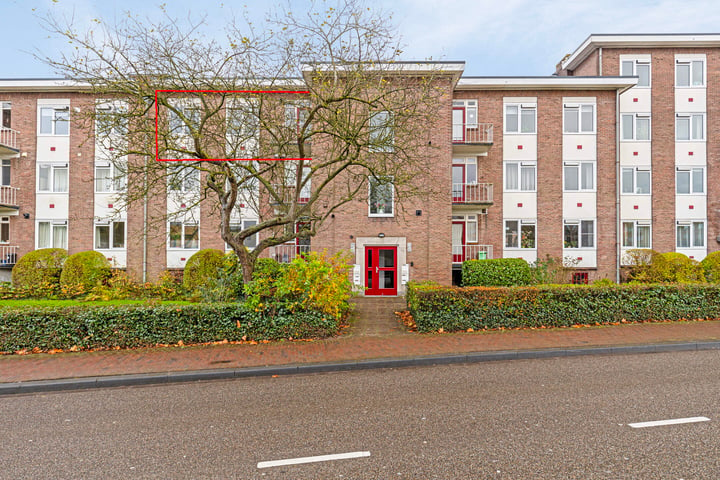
{"x":92,"y":327}
{"x":711,"y":267}
{"x":202,"y":267}
{"x":676,"y":267}
{"x":85,"y":270}
{"x":38,"y":267}
{"x":497,"y":272}
{"x":458,"y":309}
{"x":228,"y":286}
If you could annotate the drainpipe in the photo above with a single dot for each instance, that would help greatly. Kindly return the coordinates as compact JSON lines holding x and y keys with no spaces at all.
{"x":618,"y":225}
{"x":145,"y":232}
{"x":600,"y":62}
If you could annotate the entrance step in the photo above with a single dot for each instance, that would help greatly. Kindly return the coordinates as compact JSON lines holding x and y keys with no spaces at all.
{"x":376,"y":315}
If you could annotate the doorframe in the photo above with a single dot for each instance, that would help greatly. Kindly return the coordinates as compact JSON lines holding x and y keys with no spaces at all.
{"x":377,"y":291}
{"x":464,"y":119}
{"x":358,"y":247}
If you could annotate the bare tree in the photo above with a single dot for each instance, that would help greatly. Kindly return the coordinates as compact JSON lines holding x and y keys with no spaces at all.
{"x":289,"y":122}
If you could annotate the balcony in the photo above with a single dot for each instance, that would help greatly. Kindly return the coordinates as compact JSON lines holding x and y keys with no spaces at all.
{"x":8,"y":256}
{"x":8,"y":143}
{"x":472,"y":193}
{"x":472,"y":139}
{"x":461,"y":253}
{"x":288,"y":252}
{"x":8,"y":201}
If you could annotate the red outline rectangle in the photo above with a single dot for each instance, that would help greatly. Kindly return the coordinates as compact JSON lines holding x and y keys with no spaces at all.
{"x":157,"y":144}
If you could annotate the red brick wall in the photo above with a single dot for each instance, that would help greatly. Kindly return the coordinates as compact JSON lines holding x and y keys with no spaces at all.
{"x":81,"y":175}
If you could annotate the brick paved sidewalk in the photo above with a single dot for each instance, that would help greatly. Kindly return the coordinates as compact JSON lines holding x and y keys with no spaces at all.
{"x":350,"y":347}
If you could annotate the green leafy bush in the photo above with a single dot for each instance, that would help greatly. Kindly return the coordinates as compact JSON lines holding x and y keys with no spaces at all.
{"x":39,"y":267}
{"x":202,"y":267}
{"x":84,"y":270}
{"x":458,"y":309}
{"x":496,"y":272}
{"x":552,"y":270}
{"x":228,"y":286}
{"x":678,"y":268}
{"x":603,"y":282}
{"x":92,"y":327}
{"x":711,"y":267}
{"x":121,"y":287}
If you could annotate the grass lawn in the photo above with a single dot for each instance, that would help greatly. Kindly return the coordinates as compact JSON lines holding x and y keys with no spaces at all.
{"x":68,"y":303}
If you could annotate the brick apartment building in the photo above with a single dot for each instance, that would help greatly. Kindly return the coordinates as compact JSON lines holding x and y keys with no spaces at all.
{"x":615,"y":151}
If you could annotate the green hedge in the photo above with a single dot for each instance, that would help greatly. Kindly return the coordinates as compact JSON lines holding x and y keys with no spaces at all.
{"x":102,"y":326}
{"x":458,"y":309}
{"x":500,"y":272}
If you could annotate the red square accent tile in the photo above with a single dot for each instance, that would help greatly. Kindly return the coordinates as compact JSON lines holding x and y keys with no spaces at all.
{"x":691,"y":153}
{"x":635,"y":207}
{"x":690,"y":99}
{"x":110,"y":205}
{"x":519,"y":147}
{"x":519,"y":204}
{"x":182,"y":205}
{"x":52,"y":149}
{"x":692,"y":256}
{"x":52,"y":205}
{"x":579,"y":147}
{"x":242,"y":205}
{"x":635,"y":154}
{"x":692,"y":207}
{"x":109,"y":259}
{"x":182,"y":259}
{"x":579,"y":259}
{"x":579,"y":204}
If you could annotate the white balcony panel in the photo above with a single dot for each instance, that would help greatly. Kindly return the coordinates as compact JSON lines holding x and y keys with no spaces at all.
{"x":102,"y":205}
{"x":628,"y":204}
{"x":117,"y":258}
{"x":61,"y":146}
{"x":587,"y":144}
{"x":177,"y":258}
{"x":43,"y":209}
{"x":694,"y":253}
{"x":520,"y":205}
{"x":527,"y":254}
{"x":635,"y":153}
{"x":683,"y":157}
{"x":582,"y":257}
{"x":586,"y":200}
{"x":520,"y":146}
{"x":683,"y":103}
{"x":698,"y":204}
{"x":636,"y":100}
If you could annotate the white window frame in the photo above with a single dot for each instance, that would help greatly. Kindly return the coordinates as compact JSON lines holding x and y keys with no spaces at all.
{"x":691,"y":63}
{"x":381,"y":134}
{"x":519,"y":166}
{"x":389,"y":181}
{"x":239,"y":225}
{"x":580,"y":176}
{"x":184,"y":235}
{"x":635,"y":118}
{"x":119,"y":126}
{"x":691,"y":171}
{"x":4,"y":226}
{"x":692,"y":130}
{"x":5,"y":119}
{"x":471,"y":111}
{"x":53,"y":225}
{"x":578,"y":109}
{"x":116,"y":182}
{"x":636,"y":224}
{"x":581,"y":224}
{"x":54,"y":167}
{"x":245,"y":137}
{"x":110,"y":224}
{"x":5,"y":166}
{"x":186,"y":183}
{"x":635,"y":171}
{"x":520,"y":108}
{"x":635,"y":63}
{"x":57,"y":111}
{"x":295,"y":114}
{"x":518,"y":234}
{"x":691,"y":225}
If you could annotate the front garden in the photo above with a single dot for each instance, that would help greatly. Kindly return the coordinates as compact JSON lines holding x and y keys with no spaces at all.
{"x":70,"y":303}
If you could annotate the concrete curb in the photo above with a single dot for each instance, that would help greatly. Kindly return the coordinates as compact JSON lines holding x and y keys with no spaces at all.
{"x":67,"y":384}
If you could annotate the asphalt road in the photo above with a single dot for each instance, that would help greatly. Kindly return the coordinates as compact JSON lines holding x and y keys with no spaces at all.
{"x":552,"y":418}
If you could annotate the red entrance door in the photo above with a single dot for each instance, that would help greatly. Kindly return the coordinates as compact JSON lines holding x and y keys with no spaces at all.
{"x":381,"y":270}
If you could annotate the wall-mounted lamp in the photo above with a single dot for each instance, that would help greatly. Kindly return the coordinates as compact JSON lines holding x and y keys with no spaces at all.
{"x":381,"y":235}
{"x":26,"y":215}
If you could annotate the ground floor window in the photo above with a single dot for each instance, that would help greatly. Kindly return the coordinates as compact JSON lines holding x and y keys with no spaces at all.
{"x":238,"y":226}
{"x":579,"y":233}
{"x":110,"y":235}
{"x":184,"y":235}
{"x":52,"y":234}
{"x":690,"y":234}
{"x":4,"y":229}
{"x":519,"y":233}
{"x":636,"y":234}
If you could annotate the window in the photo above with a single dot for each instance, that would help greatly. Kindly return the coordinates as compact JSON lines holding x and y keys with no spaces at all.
{"x":109,"y":179}
{"x":184,"y":235}
{"x":296,"y":114}
{"x":519,"y":234}
{"x":636,"y":68}
{"x":579,"y":176}
{"x":635,"y":126}
{"x":520,"y":176}
{"x":183,"y":179}
{"x":579,"y":118}
{"x":52,"y":178}
{"x":636,"y":234}
{"x":243,"y":130}
{"x":184,"y":118}
{"x":52,"y":234}
{"x":291,"y":169}
{"x":111,"y":120}
{"x":238,"y":226}
{"x":690,"y":234}
{"x":690,"y":181}
{"x":54,"y":120}
{"x":5,"y":172}
{"x":636,"y":181}
{"x":690,"y":73}
{"x":471,"y":229}
{"x":382,"y":135}
{"x":579,"y":233}
{"x":469,"y":110}
{"x":109,"y":235}
{"x":690,"y":126}
{"x":4,"y":229}
{"x":520,"y":118}
{"x":381,"y":196}
{"x":6,"y":115}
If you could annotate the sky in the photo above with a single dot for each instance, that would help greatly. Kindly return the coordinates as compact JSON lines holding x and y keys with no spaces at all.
{"x":494,"y":38}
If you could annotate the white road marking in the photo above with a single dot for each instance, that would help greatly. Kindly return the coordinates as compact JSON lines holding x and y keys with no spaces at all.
{"x":319,"y":458}
{"x":673,"y":421}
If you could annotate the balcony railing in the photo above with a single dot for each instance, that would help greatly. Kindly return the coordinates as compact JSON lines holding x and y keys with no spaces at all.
{"x":8,"y":138}
{"x":8,"y":196}
{"x":467,"y":134}
{"x":461,"y":253}
{"x":288,"y":252}
{"x":8,"y":255}
{"x":477,"y":193}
